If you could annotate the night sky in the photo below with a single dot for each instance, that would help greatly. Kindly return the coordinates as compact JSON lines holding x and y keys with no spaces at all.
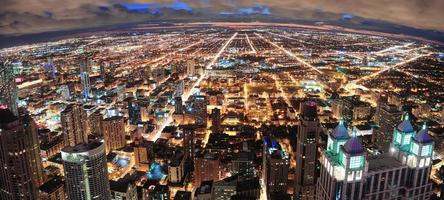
{"x":33,"y":16}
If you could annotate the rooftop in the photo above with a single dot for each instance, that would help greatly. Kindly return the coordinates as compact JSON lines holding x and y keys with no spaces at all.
{"x":51,"y":185}
{"x":383,"y":162}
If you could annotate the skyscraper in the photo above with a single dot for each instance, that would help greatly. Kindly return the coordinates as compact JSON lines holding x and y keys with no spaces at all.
{"x":306,"y":151}
{"x":216,"y":121}
{"x":386,"y":116}
{"x":114,"y":132}
{"x":8,"y":88}
{"x":178,"y":106}
{"x":198,"y":108}
{"x":20,"y":160}
{"x":133,"y":111}
{"x":403,"y":173}
{"x":84,"y":78}
{"x":86,"y":173}
{"x":73,"y":120}
{"x":275,"y":168}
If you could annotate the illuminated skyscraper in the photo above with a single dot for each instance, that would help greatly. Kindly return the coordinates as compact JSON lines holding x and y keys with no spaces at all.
{"x":86,"y":174}
{"x":403,"y":173}
{"x":178,"y":105}
{"x":275,"y":168}
{"x":198,"y":108}
{"x":114,"y":132}
{"x":306,"y":151}
{"x":8,"y":88}
{"x":84,"y":79}
{"x":20,"y":160}
{"x":134,"y":114}
{"x":73,"y":120}
{"x":216,"y":121}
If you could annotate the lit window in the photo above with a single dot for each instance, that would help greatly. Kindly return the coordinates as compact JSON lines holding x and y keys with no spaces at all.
{"x":426,"y":150}
{"x":406,"y":139}
{"x":355,"y":162}
{"x":415,"y":149}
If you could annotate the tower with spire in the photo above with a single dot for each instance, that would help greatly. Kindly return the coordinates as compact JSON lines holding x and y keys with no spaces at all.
{"x":402,"y":173}
{"x":343,"y":166}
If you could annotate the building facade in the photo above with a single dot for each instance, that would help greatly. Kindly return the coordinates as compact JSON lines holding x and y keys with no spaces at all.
{"x":403,"y":173}
{"x":86,"y":173}
{"x":73,"y":121}
{"x":306,"y":151}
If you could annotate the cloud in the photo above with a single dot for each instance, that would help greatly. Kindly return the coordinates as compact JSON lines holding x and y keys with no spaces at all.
{"x":25,"y":16}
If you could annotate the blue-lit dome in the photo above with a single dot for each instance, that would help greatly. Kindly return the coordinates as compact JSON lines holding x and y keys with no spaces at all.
{"x":340,"y":132}
{"x":353,"y":145}
{"x":405,"y":125}
{"x":423,"y":136}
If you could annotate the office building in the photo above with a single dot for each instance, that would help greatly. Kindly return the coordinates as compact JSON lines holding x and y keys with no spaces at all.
{"x":53,"y":189}
{"x":86,"y":173}
{"x":114,"y":132}
{"x":95,"y":123}
{"x":197,"y":107}
{"x":143,"y":153}
{"x":183,"y":195}
{"x":242,"y":165}
{"x":21,"y":168}
{"x":386,"y":116}
{"x":207,"y":166}
{"x":134,"y":114}
{"x":176,"y":167}
{"x":123,"y":189}
{"x":275,"y":168}
{"x":306,"y":151}
{"x":216,"y":124}
{"x":73,"y":121}
{"x":8,"y":87}
{"x":403,"y":173}
{"x":152,"y":190}
{"x":178,"y":105}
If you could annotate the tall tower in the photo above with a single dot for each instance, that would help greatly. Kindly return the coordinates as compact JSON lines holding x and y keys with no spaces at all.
{"x":19,"y":157}
{"x":73,"y":120}
{"x":114,"y":132}
{"x":216,"y":120}
{"x":86,"y":174}
{"x":8,"y":88}
{"x":84,"y":79}
{"x":343,"y":167}
{"x":275,"y":168}
{"x":306,"y":151}
{"x":415,"y":151}
{"x":178,"y":106}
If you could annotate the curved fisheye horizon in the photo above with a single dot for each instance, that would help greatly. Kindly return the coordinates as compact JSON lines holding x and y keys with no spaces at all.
{"x":19,"y":17}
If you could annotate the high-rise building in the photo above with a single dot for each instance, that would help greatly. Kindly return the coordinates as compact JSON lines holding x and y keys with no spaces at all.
{"x":242,"y":165}
{"x":95,"y":123}
{"x":30,"y":129}
{"x":198,"y":108}
{"x":53,"y":189}
{"x":114,"y":132}
{"x":84,"y":78}
{"x":8,"y":88}
{"x":133,"y":111}
{"x":178,"y":105}
{"x":386,"y":116}
{"x":176,"y":167}
{"x":21,"y":168}
{"x":143,"y":153}
{"x":123,"y":189}
{"x":207,"y":166}
{"x":73,"y":120}
{"x":86,"y":174}
{"x":216,"y":124}
{"x":188,"y":140}
{"x":403,"y":173}
{"x":306,"y":151}
{"x":191,"y":67}
{"x":275,"y":168}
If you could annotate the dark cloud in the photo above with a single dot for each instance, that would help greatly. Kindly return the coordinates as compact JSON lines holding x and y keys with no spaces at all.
{"x":30,"y":16}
